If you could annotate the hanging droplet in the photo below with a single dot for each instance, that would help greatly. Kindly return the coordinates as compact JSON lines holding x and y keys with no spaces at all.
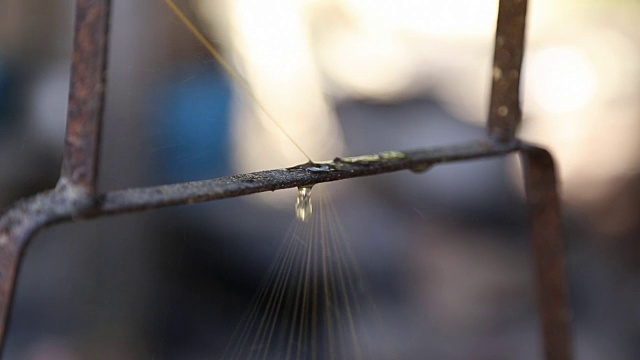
{"x":303,"y":203}
{"x":418,"y":169}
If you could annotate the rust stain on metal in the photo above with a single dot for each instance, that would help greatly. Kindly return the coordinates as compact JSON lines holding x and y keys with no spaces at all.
{"x":17,"y":226}
{"x":131,"y":200}
{"x":75,"y":197}
{"x":67,"y":202}
{"x":73,"y":194}
{"x":86,"y":94}
{"x":549,"y":252}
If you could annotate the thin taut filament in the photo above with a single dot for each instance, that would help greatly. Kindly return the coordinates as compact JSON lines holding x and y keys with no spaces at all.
{"x":229,"y":69}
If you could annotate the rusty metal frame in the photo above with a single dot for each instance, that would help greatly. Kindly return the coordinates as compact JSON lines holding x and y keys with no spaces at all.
{"x":75,"y":197}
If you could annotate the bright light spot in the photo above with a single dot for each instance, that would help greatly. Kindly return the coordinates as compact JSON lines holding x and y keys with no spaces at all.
{"x":582,"y":106}
{"x":457,"y":18}
{"x":374,"y":64}
{"x":563,"y":79}
{"x":273,"y":47}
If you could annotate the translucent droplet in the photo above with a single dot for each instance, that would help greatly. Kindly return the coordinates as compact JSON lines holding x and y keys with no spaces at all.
{"x":421,"y":168}
{"x":315,"y":167}
{"x":303,"y":203}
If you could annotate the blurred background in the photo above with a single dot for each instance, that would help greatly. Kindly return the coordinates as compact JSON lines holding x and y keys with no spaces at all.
{"x":446,"y":252}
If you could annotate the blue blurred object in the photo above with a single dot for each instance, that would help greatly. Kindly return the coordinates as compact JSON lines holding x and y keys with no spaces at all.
{"x":192,"y":115}
{"x":8,"y":92}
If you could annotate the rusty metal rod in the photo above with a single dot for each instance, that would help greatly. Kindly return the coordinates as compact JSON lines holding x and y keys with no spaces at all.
{"x":77,"y":183}
{"x":74,"y":197}
{"x":549,"y":252}
{"x":185,"y":193}
{"x":19,"y":224}
{"x":86,"y":94}
{"x":504,"y":106}
{"x":65,"y":202}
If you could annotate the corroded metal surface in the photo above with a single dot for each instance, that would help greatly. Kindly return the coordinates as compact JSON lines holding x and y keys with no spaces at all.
{"x":86,"y":94}
{"x":75,"y":195}
{"x":20,"y":223}
{"x":504,"y":107}
{"x":77,"y":184}
{"x":270,"y":180}
{"x":549,"y":252}
{"x":68,"y":202}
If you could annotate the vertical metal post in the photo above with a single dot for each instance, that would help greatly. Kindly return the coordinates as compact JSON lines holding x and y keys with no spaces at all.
{"x":549,"y":252}
{"x":504,"y":118}
{"x":77,"y":185}
{"x":86,"y":95}
{"x":504,"y":108}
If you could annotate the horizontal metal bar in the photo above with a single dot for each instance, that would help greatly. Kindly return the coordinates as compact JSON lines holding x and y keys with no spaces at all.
{"x":70,"y":202}
{"x":341,"y":168}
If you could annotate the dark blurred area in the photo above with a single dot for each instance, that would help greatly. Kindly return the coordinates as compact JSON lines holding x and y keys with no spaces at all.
{"x":446,"y":252}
